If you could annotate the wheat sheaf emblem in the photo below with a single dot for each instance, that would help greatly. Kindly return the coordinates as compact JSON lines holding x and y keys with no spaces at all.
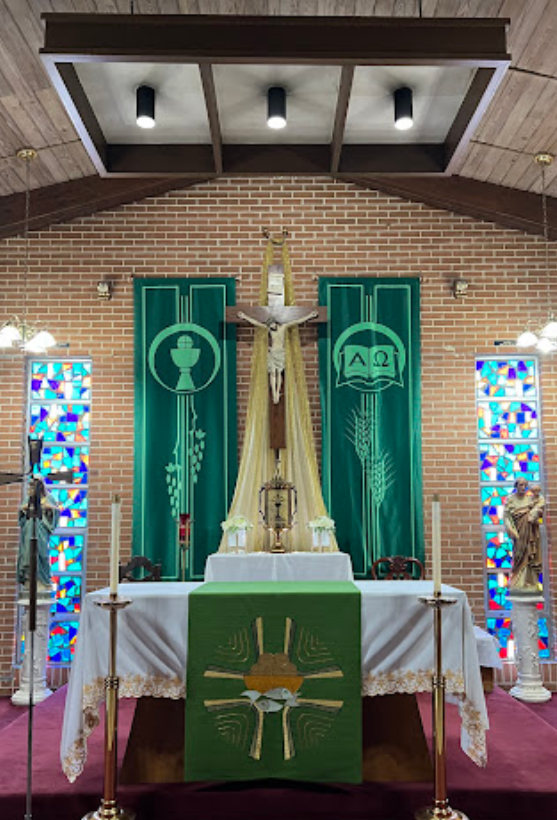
{"x":273,"y":686}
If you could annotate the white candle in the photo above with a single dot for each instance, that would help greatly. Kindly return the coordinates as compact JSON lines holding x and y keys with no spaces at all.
{"x":115,"y":545}
{"x":436,"y":544}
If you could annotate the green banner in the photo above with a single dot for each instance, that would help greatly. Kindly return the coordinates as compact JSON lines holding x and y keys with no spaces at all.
{"x":185,"y":418}
{"x":369,"y":367}
{"x":274,"y":682}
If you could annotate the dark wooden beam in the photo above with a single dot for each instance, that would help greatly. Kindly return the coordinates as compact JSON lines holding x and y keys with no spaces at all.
{"x":480,"y":94}
{"x":508,"y":207}
{"x":274,"y":39}
{"x":65,"y":80}
{"x":172,"y":160}
{"x":208,"y":83}
{"x":77,"y":198}
{"x":343,"y":100}
{"x":182,"y":160}
{"x":412,"y":158}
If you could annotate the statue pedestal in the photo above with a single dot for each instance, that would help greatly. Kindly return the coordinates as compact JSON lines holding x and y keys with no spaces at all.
{"x":40,"y":689}
{"x":529,"y":686}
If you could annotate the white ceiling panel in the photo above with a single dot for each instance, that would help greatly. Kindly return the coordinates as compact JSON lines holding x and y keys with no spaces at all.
{"x":310,"y":102}
{"x":180,"y":111}
{"x":438,"y":92}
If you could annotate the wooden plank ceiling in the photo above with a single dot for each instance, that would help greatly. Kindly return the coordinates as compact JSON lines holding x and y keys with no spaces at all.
{"x":519,"y":122}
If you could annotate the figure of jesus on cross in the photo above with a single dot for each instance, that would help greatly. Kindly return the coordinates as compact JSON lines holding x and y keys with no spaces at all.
{"x":276,"y":357}
{"x":276,"y":318}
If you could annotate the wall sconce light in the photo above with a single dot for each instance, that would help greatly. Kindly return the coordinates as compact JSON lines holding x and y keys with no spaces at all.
{"x":104,"y":290}
{"x":460,"y":288}
{"x":276,"y":107}
{"x":404,"y":117}
{"x":145,"y":100}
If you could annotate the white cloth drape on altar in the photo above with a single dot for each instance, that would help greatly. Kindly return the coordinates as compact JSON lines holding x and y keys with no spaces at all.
{"x":288,"y":566}
{"x":397,"y":655}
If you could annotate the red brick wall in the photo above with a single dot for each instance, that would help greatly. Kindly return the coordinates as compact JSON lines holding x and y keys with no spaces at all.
{"x":215,"y":230}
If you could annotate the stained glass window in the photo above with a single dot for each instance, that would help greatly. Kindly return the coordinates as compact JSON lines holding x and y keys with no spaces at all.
{"x":72,"y":505}
{"x":499,"y":550}
{"x":509,"y":447}
{"x":59,"y":406}
{"x":506,"y":378}
{"x":61,"y":645}
{"x":60,"y":422}
{"x":507,"y":419}
{"x":507,"y":462}
{"x":67,"y":458}
{"x":66,"y":553}
{"x":60,"y":380}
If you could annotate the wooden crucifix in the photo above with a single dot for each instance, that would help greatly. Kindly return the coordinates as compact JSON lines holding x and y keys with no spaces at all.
{"x":276,"y":318}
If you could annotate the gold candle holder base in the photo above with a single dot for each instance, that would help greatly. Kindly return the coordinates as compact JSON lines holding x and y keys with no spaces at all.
{"x":109,"y":808}
{"x":440,"y":810}
{"x":110,"y":811}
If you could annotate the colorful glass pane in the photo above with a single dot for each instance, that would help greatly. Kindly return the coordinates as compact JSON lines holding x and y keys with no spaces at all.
{"x":493,"y":503}
{"x":543,"y":639}
{"x":507,"y":462}
{"x":66,"y":553}
{"x":60,"y":422}
{"x":497,"y":591}
{"x":514,"y":378}
{"x":66,"y":458}
{"x":499,"y":550}
{"x":67,"y":594}
{"x":61,"y":380}
{"x":73,"y":506}
{"x":502,"y":629}
{"x":507,"y":419}
{"x":62,"y":640}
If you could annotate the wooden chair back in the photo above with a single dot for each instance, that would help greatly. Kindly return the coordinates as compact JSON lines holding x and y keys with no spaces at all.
{"x":397,"y":568}
{"x":151,"y":572}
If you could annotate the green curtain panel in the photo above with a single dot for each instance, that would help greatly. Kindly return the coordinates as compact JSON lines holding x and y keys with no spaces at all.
{"x":185,"y":418}
{"x":273,"y":683}
{"x":369,"y":368}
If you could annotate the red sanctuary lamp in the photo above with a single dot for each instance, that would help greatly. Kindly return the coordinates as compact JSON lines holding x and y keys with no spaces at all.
{"x":184,"y":533}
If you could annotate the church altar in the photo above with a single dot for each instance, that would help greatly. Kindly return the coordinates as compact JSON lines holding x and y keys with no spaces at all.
{"x":290,"y":566}
{"x":152,"y":655}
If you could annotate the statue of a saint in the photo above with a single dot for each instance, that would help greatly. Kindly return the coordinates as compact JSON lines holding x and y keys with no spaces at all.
{"x":523,"y":515}
{"x":276,"y":357}
{"x":46,"y":523}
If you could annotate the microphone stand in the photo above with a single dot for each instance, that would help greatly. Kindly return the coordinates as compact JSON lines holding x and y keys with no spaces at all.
{"x":33,"y":513}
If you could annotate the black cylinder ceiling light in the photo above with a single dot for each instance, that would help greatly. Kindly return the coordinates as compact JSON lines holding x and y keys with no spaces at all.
{"x":145,"y":98}
{"x":404,"y":118}
{"x":276,"y":107}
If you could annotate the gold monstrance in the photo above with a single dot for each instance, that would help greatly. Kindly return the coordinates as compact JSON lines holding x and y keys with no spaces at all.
{"x":278,"y":502}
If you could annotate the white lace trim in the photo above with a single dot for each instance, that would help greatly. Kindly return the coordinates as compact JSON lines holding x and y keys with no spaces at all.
{"x":131,"y":686}
{"x":473,"y":726}
{"x":373,"y":684}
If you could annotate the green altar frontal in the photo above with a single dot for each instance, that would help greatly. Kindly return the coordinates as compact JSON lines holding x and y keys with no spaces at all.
{"x":273,"y":683}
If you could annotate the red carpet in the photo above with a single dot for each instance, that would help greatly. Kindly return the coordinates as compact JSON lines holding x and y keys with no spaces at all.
{"x":520,"y":781}
{"x":8,"y":712}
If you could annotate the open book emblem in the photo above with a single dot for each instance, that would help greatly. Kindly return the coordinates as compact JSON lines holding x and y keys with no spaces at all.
{"x":369,"y":357}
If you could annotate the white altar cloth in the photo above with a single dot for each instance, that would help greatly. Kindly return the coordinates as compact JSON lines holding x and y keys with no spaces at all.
{"x":397,"y":655}
{"x":288,"y":566}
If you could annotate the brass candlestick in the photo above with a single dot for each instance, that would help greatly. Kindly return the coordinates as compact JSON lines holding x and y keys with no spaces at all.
{"x":440,"y":810}
{"x":109,"y":809}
